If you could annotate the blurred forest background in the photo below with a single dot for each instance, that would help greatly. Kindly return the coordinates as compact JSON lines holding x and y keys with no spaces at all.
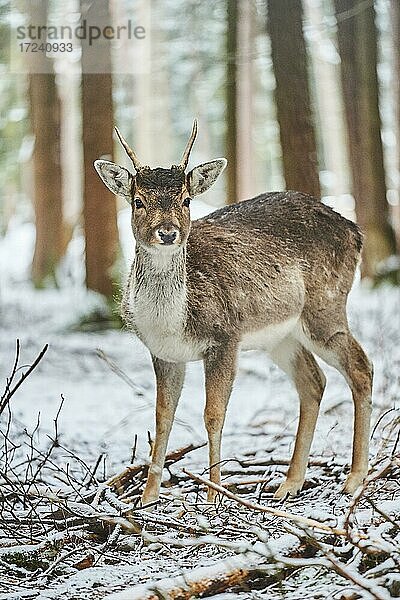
{"x":296,"y":94}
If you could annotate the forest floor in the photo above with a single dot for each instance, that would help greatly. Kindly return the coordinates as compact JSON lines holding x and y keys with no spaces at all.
{"x":68,"y":530}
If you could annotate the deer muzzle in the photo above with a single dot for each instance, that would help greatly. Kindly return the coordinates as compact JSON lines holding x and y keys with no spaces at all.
{"x":167,"y":235}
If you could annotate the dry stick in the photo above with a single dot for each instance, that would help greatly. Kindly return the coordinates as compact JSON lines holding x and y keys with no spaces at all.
{"x":6,"y":397}
{"x":140,"y":391}
{"x":59,"y":560}
{"x":93,"y":473}
{"x":134,"y":447}
{"x":330,"y":560}
{"x":343,"y":570}
{"x":120,"y":479}
{"x":382,"y":513}
{"x":246,"y":482}
{"x":86,"y":511}
{"x":54,"y":444}
{"x":10,"y":379}
{"x":383,"y":415}
{"x":200,"y":582}
{"x":304,"y":521}
{"x":234,"y":571}
{"x":362,"y":489}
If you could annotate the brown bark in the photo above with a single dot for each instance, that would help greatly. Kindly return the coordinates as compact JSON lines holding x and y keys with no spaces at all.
{"x":357,"y":40}
{"x":396,"y":79}
{"x":245,"y":99}
{"x":201,"y":582}
{"x":99,"y":210}
{"x":329,"y":104}
{"x":231,"y":102}
{"x":47,"y":194}
{"x":289,"y":59}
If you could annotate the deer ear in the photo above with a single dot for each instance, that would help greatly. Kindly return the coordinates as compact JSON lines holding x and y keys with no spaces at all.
{"x":116,"y":178}
{"x":203,"y":176}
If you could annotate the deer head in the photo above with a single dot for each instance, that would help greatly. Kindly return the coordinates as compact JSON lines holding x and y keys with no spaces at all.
{"x":160,"y":198}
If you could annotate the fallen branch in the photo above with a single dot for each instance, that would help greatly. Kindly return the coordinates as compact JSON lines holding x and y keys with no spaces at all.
{"x":253,"y":562}
{"x":121,"y":480}
{"x":200,"y":582}
{"x":275,"y":512}
{"x":86,"y":512}
{"x":376,"y":474}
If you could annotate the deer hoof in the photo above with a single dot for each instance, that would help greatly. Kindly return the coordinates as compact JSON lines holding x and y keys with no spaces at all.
{"x":290,"y":487}
{"x":353,"y":481}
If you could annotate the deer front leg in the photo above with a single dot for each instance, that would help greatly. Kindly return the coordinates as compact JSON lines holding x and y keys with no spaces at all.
{"x":220,"y":369}
{"x":169,"y":377}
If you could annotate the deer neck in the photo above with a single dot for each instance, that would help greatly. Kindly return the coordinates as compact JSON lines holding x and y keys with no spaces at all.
{"x":160,"y":285}
{"x":156,"y":306}
{"x":165,"y":267}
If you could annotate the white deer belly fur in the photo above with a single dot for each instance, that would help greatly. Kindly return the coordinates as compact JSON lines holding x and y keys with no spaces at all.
{"x":268,"y":337}
{"x":160,"y":326}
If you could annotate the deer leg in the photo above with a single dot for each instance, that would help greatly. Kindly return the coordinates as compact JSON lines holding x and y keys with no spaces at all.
{"x":344,"y":353}
{"x":310,"y":382}
{"x":220,"y":369}
{"x":169,"y":378}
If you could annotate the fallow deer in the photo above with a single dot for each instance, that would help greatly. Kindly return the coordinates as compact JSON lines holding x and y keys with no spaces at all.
{"x":271,"y":273}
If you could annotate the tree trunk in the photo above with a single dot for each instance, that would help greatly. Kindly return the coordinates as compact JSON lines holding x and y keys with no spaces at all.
{"x":245,"y":99}
{"x":47,"y":197}
{"x":289,"y":59}
{"x":99,"y":210}
{"x":232,"y":195}
{"x":357,"y":40}
{"x":396,"y":80}
{"x":329,"y":105}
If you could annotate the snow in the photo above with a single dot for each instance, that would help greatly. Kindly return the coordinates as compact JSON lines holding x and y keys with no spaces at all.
{"x":101,"y":413}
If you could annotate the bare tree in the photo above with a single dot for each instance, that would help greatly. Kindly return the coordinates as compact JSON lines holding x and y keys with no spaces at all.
{"x":99,"y":208}
{"x":328,"y":97}
{"x":396,"y":79}
{"x":289,"y":59}
{"x":357,"y":41}
{"x":231,"y":101}
{"x":245,"y":99}
{"x":47,"y":193}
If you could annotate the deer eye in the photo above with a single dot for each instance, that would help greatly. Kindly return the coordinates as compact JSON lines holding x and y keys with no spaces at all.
{"x":186,"y":202}
{"x":138,"y":203}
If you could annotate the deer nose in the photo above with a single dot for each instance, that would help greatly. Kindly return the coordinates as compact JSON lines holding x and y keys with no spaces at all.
{"x":167,"y":236}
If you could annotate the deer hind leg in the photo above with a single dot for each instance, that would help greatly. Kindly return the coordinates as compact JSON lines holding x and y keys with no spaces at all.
{"x":170,"y":377}
{"x":310,"y":382}
{"x":344,"y":353}
{"x":220,"y":372}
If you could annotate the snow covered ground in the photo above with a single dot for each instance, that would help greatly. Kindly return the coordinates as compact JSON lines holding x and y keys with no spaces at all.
{"x":102,"y":413}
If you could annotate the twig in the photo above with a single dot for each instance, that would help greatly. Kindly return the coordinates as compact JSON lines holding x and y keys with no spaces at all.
{"x":93,"y":473}
{"x":139,"y":390}
{"x":361,"y":491}
{"x":8,"y":393}
{"x":304,"y":521}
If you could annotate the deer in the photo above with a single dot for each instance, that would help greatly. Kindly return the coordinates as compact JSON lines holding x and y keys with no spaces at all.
{"x":271,"y":273}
